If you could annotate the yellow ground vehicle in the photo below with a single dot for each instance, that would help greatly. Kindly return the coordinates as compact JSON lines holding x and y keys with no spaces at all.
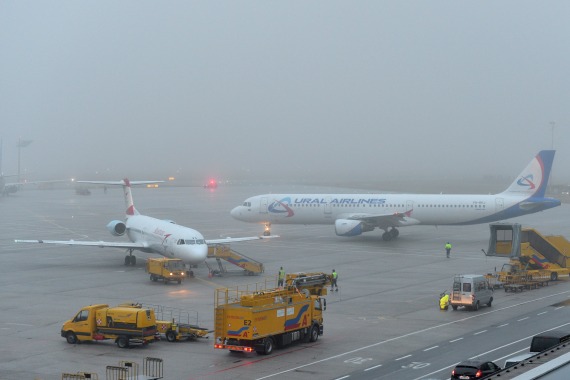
{"x":533,"y":256}
{"x":125,"y":325}
{"x":165,"y":269}
{"x":258,"y":318}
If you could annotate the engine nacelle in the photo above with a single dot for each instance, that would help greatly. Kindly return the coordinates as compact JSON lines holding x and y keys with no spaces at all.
{"x":117,"y":228}
{"x":348,"y":227}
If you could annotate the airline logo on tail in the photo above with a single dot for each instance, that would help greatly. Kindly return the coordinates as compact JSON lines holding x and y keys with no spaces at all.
{"x":532,"y":180}
{"x":527,"y":182}
{"x":281,"y":207}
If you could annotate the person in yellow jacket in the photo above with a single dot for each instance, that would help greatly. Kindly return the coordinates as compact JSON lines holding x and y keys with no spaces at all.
{"x":444,"y":301}
{"x":334,"y":277}
{"x":281,"y":277}
{"x":448,"y":248}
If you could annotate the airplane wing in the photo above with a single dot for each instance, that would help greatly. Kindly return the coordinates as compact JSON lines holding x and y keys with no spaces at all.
{"x":100,"y":244}
{"x":384,"y":220}
{"x":234,"y":240}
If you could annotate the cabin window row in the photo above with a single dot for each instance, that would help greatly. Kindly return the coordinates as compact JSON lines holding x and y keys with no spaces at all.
{"x":392,"y":206}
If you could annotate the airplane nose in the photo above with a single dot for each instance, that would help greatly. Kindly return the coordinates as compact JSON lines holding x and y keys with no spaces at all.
{"x":235,"y":212}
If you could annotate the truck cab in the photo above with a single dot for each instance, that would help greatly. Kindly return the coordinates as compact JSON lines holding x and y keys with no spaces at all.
{"x":83,"y":326}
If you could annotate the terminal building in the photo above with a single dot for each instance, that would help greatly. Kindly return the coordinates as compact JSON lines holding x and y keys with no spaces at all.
{"x":552,"y":364}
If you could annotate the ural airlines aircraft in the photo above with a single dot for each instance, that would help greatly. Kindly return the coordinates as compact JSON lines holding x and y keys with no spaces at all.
{"x":149,"y":234}
{"x":353,"y":214}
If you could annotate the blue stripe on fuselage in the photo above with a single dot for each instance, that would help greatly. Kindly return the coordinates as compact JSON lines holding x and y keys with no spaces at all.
{"x":515,"y":210}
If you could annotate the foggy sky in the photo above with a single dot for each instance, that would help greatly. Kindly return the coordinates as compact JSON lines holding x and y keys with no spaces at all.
{"x":283,"y":89}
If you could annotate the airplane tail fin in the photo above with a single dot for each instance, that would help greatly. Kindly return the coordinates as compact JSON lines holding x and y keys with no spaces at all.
{"x":533,"y":180}
{"x":131,"y":210}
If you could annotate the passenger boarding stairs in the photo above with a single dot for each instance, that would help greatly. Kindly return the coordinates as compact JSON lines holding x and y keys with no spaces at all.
{"x":221,"y":252}
{"x":526,"y":244}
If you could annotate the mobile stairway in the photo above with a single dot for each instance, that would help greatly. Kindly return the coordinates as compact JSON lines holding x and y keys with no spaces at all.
{"x":221,"y":252}
{"x":532,"y":250}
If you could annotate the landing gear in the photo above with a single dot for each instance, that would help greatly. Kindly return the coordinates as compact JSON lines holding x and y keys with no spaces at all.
{"x":267,"y":231}
{"x":390,"y":234}
{"x":130,"y":259}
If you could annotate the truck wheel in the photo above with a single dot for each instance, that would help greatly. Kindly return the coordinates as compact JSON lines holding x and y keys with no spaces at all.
{"x":267,"y":347}
{"x":553,"y":276}
{"x":122,"y":342}
{"x":179,"y":282}
{"x":71,"y":338}
{"x":171,"y":336}
{"x":476,"y":306}
{"x":490,"y":302}
{"x":314,"y":334}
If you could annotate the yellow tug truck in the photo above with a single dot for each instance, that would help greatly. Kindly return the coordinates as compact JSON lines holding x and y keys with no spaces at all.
{"x":125,"y":325}
{"x":165,"y":269}
{"x":255,"y":318}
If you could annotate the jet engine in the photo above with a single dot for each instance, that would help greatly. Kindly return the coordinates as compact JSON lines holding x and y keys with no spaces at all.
{"x":117,"y":228}
{"x":347,"y":227}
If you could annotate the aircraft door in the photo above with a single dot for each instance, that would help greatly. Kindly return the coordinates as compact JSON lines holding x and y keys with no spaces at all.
{"x":409,"y":206}
{"x":263,"y":205}
{"x":328,"y":209}
{"x":499,"y":204}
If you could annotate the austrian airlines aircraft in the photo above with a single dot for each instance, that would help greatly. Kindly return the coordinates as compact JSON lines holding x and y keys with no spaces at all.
{"x":353,"y":214}
{"x":149,"y":234}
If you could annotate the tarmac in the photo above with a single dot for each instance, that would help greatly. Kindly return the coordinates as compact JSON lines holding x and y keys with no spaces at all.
{"x":383,"y":319}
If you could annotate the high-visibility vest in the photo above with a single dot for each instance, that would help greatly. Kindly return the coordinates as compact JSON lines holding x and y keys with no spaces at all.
{"x":448,"y":246}
{"x":334,"y":275}
{"x":281,"y":274}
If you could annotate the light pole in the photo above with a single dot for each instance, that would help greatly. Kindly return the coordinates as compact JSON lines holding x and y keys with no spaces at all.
{"x":21,"y":144}
{"x":552,"y":126}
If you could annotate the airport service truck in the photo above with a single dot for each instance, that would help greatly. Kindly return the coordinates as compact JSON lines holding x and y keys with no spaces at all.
{"x":125,"y":325}
{"x":165,"y":269}
{"x":257,"y":318}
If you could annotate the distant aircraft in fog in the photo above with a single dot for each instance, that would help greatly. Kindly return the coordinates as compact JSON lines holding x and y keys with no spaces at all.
{"x":353,"y":214}
{"x":149,"y":234}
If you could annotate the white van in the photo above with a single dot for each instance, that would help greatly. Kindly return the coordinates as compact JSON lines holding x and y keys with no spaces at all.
{"x":471,"y":291}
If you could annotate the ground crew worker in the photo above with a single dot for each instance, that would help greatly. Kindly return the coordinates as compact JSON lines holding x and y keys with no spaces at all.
{"x":448,"y":248}
{"x":281,"y":277}
{"x":334,"y":277}
{"x":444,"y":301}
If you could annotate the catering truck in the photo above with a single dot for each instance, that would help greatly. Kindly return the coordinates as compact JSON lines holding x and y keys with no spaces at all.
{"x":125,"y":325}
{"x":257,"y":318}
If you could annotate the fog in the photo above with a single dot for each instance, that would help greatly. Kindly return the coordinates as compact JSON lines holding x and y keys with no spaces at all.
{"x":284,"y":90}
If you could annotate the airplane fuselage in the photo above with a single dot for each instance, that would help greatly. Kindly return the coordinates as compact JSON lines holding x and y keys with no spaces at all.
{"x":167,"y":239}
{"x":426,"y":209}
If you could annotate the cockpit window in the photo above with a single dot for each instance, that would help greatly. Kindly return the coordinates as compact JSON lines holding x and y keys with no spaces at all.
{"x":195,"y":241}
{"x":180,"y":241}
{"x":247,"y":204}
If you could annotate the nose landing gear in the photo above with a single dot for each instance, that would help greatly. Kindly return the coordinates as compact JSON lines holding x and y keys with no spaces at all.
{"x":267,"y":231}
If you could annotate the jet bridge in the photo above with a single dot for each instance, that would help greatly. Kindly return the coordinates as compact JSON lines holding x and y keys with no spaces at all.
{"x":221,"y":252}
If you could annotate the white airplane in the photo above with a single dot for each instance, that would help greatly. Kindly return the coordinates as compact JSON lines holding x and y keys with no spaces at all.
{"x":353,"y":214}
{"x":149,"y":234}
